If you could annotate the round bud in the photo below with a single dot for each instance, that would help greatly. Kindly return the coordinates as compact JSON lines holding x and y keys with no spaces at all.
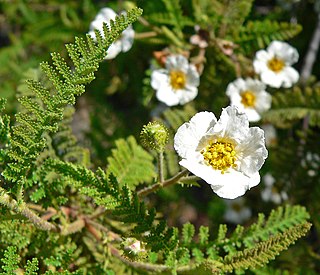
{"x":155,"y":136}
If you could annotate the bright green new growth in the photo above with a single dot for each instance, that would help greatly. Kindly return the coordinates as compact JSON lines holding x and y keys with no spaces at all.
{"x":27,"y":138}
{"x":44,"y":164}
{"x":154,"y":136}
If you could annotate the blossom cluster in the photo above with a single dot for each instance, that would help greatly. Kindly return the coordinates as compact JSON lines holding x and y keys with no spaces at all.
{"x":274,"y":66}
{"x":226,"y":153}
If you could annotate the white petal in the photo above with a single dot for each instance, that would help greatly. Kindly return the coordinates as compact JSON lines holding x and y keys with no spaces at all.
{"x":253,"y":151}
{"x":284,"y":51}
{"x":263,"y":102}
{"x":127,"y":39}
{"x":93,"y":35}
{"x":255,"y":85}
{"x":193,"y":77}
{"x":158,"y":78}
{"x":107,"y":14}
{"x":232,"y":124}
{"x":166,"y":95}
{"x":177,"y":62}
{"x":230,"y":185}
{"x":263,"y":56}
{"x":189,"y":134}
{"x":114,"y":50}
{"x":187,"y":94}
{"x":272,"y":79}
{"x":97,"y":25}
{"x":252,"y":114}
{"x":290,"y":76}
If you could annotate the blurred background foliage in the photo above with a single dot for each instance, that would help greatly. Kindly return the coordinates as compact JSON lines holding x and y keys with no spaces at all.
{"x":120,"y":101}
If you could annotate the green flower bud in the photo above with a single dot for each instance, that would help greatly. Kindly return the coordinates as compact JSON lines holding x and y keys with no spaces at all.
{"x":155,"y":136}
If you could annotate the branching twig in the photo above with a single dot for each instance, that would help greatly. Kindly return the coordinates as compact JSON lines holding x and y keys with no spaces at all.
{"x":146,"y":191}
{"x":23,"y":209}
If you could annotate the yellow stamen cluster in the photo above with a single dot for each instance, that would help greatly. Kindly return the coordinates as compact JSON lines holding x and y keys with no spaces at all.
{"x":248,"y":99}
{"x":276,"y":64}
{"x":177,"y":80}
{"x":220,"y":155}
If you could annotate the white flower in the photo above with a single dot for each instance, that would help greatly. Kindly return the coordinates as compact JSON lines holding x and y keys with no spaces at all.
{"x":236,"y":211}
{"x":270,"y":192}
{"x":125,"y":41}
{"x":274,"y":65}
{"x":227,"y":154}
{"x":177,"y":83}
{"x":250,"y":97}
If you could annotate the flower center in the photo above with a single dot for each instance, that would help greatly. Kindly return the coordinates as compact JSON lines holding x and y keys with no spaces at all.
{"x":275,"y":64}
{"x":177,"y":80}
{"x":220,"y":155}
{"x":248,"y":98}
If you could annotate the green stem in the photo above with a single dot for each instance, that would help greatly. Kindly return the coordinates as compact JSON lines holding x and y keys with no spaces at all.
{"x":160,"y":167}
{"x":23,"y":209}
{"x":146,"y":191}
{"x":144,"y":35}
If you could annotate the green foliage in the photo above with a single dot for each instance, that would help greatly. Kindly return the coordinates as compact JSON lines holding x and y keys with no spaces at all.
{"x":4,"y":128}
{"x":130,"y":163}
{"x":176,"y":117}
{"x":293,"y":105}
{"x":235,"y":14}
{"x":10,"y":261}
{"x":256,"y":35}
{"x":265,"y":251}
{"x":15,"y":232}
{"x":32,"y":267}
{"x":27,"y":137}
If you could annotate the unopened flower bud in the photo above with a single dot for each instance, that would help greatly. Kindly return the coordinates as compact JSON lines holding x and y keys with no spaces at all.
{"x":133,"y":246}
{"x":154,"y":135}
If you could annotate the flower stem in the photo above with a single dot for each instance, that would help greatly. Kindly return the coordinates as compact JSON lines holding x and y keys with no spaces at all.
{"x":146,"y":191}
{"x":144,"y":35}
{"x":160,"y":166}
{"x":23,"y":209}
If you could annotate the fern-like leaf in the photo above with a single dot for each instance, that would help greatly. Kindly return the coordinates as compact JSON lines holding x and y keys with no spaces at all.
{"x":27,"y":137}
{"x":293,"y":105}
{"x":265,"y":251}
{"x":130,"y":163}
{"x":258,"y":34}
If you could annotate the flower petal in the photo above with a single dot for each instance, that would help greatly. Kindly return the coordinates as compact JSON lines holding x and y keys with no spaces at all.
{"x":158,"y":78}
{"x":253,"y":151}
{"x":229,"y":185}
{"x":232,"y":124}
{"x":252,"y":114}
{"x":188,"y":94}
{"x":263,"y":102}
{"x":166,"y":95}
{"x":107,"y":13}
{"x":114,"y":50}
{"x":189,"y":134}
{"x":127,"y":39}
{"x":177,"y":62}
{"x":193,"y":78}
{"x":284,"y":51}
{"x":290,"y":76}
{"x":271,"y":78}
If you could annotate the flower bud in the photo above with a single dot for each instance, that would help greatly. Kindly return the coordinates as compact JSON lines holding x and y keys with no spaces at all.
{"x":154,"y":135}
{"x":133,"y":246}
